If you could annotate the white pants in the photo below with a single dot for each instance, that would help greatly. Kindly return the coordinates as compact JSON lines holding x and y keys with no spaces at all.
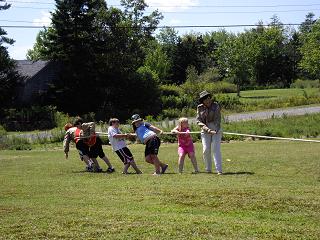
{"x":212,"y":149}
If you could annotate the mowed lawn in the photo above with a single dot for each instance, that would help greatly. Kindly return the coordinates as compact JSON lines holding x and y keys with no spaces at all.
{"x":271,"y":190}
{"x":272,"y":94}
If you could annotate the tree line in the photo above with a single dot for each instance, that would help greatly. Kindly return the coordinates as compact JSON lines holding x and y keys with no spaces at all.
{"x":115,"y":62}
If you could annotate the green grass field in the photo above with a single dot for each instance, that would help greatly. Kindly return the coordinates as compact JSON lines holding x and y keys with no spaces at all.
{"x":270,"y":191}
{"x":273,"y":94}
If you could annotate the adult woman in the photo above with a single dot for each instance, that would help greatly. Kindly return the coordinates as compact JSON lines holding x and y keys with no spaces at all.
{"x":209,"y":119}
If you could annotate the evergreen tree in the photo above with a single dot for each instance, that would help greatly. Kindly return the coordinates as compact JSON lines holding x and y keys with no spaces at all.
{"x":9,"y":78}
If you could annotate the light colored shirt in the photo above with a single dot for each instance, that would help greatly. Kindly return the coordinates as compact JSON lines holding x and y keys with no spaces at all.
{"x":143,"y":132}
{"x":116,"y":143}
{"x":87,"y":129}
{"x":210,"y":115}
{"x":68,"y":137}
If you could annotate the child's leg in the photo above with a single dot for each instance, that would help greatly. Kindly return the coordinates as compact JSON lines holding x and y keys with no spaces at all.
{"x":106,"y":160}
{"x":86,"y":159}
{"x":133,"y":164}
{"x":98,"y":150}
{"x":96,"y":165}
{"x":156,"y":163}
{"x":193,"y":159}
{"x":149,"y":159}
{"x":125,"y":168}
{"x":181,"y":161}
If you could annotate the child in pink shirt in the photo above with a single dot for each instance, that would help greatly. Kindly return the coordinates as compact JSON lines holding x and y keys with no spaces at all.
{"x":185,"y":144}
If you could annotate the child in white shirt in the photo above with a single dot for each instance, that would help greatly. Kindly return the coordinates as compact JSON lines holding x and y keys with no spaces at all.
{"x":118,"y":143}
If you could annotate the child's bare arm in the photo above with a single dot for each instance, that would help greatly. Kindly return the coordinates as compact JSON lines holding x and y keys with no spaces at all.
{"x":121,"y":135}
{"x":155,"y":129}
{"x":175,"y":130}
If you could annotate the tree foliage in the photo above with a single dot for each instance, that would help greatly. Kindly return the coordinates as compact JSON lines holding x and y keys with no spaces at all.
{"x":9,"y":78}
{"x":100,"y":50}
{"x":112,"y":63}
{"x":311,"y":51}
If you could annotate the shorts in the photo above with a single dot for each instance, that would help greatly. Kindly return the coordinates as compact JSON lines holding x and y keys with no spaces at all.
{"x":83,"y":148}
{"x":152,"y":146}
{"x":96,"y":150}
{"x":185,"y":150}
{"x":125,"y":155}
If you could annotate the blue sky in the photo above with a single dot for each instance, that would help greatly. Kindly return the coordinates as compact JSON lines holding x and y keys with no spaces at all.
{"x":176,"y":12}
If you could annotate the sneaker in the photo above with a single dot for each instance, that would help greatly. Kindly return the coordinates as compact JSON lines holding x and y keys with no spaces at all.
{"x":156,"y":174}
{"x":98,"y":170}
{"x":195,"y":172}
{"x":139,"y":172}
{"x":110,"y":170}
{"x":219,"y":173}
{"x":164,"y":169}
{"x":89,"y":169}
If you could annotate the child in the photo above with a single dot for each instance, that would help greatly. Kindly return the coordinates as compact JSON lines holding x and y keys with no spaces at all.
{"x":185,"y":144}
{"x":69,"y":136}
{"x":146,"y":134}
{"x":88,"y":144}
{"x":119,"y":145}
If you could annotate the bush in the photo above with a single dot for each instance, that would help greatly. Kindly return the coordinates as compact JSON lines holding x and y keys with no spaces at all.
{"x":167,"y":90}
{"x":3,"y":132}
{"x":228,"y":102}
{"x":28,"y":119}
{"x":299,"y":83}
{"x":60,"y":119}
{"x":57,"y":135}
{"x":221,"y":87}
{"x":14,"y":143}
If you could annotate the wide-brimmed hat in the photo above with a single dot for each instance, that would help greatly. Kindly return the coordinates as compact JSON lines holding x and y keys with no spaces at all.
{"x":136,"y":118}
{"x":203,"y":95}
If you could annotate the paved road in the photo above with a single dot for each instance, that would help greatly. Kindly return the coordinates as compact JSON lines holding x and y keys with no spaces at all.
{"x":273,"y":113}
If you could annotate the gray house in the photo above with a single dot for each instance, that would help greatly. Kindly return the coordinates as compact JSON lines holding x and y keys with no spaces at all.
{"x":38,"y":76}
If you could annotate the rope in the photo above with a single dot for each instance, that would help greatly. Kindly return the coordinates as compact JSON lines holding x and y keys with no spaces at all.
{"x":244,"y":135}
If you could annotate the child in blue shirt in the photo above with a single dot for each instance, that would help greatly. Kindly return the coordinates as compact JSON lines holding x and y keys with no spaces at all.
{"x":147,"y":135}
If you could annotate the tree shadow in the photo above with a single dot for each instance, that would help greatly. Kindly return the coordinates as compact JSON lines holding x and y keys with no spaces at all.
{"x":238,"y":173}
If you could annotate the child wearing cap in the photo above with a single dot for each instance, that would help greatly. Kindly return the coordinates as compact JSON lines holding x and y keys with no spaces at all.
{"x":185,"y":144}
{"x":119,"y":146}
{"x":147,"y":135}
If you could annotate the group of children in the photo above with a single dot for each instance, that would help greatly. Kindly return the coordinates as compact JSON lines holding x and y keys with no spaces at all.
{"x":89,"y":144}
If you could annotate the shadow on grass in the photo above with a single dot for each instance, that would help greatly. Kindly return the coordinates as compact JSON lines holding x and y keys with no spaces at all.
{"x":238,"y":173}
{"x":85,"y":171}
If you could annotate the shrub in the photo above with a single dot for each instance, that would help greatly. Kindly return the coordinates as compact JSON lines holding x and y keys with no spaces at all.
{"x":228,"y":102}
{"x":57,"y":135}
{"x":167,"y":90}
{"x":299,"y":83}
{"x":61,"y":119}
{"x":14,"y":143}
{"x":221,"y":87}
{"x":3,"y":132}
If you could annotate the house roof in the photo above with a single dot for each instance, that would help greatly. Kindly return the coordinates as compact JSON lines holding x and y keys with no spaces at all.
{"x":28,"y":68}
